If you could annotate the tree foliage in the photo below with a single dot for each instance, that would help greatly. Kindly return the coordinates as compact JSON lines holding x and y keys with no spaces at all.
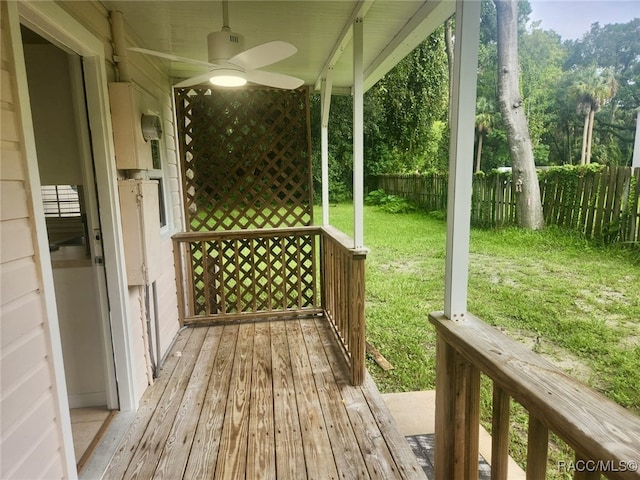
{"x":404,"y":119}
{"x":406,"y":124}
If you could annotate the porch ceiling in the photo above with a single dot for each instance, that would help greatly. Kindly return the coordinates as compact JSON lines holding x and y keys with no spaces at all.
{"x":320,"y":29}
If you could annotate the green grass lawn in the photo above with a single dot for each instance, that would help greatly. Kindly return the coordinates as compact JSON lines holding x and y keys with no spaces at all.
{"x":572,"y":301}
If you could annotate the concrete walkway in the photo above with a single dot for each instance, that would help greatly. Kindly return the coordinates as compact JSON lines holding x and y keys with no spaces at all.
{"x":414,"y":412}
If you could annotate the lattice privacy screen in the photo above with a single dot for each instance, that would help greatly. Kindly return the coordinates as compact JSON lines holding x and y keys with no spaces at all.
{"x":246,"y":158}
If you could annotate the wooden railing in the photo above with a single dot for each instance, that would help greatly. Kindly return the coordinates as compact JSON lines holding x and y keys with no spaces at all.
{"x":343,"y":295}
{"x":227,"y":276}
{"x":604,"y":436}
{"x":233,"y":274}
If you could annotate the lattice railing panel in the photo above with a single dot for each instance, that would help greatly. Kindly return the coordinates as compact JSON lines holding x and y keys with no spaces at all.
{"x":246,"y":158}
{"x":274,"y":272}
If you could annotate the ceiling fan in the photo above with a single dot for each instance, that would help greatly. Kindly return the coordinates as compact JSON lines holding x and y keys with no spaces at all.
{"x":230,"y":65}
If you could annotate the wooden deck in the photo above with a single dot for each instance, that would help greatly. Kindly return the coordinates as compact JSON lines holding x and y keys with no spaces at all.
{"x":260,"y":400}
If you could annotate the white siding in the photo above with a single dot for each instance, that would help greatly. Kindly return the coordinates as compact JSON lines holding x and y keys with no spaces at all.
{"x":167,"y":298}
{"x":31,"y":443}
{"x":30,"y":438}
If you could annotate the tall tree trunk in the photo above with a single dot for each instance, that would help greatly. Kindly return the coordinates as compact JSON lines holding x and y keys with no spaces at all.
{"x":525,"y":178}
{"x":448,"y":45}
{"x":479,"y":153}
{"x":585,"y":131}
{"x":592,"y":118}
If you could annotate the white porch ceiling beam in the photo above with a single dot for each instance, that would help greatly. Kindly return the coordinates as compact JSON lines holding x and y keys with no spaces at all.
{"x":461,"y":158}
{"x":425,"y":21}
{"x":358,"y":134}
{"x":360,"y":10}
{"x":324,"y":142}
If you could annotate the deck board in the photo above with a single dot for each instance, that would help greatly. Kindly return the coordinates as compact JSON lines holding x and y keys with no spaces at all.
{"x":178,"y":446}
{"x":315,"y":440}
{"x":125,"y":451}
{"x":349,"y":458}
{"x":206,"y":443}
{"x":262,"y":400}
{"x":232,"y":457}
{"x":154,"y":441}
{"x":261,"y":458}
{"x":289,"y":455}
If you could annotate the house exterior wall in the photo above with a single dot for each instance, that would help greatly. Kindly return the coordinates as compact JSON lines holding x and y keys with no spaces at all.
{"x":31,"y":435}
{"x":35,"y":434}
{"x":156,"y":99}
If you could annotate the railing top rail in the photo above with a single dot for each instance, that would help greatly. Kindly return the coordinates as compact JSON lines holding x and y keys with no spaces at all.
{"x":344,"y":240}
{"x":248,"y":233}
{"x":341,"y":238}
{"x":590,"y":423}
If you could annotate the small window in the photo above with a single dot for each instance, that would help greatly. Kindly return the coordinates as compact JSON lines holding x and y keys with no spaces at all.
{"x":61,"y":201}
{"x":155,"y":155}
{"x":161,"y":206}
{"x":65,"y":219}
{"x":157,"y":174}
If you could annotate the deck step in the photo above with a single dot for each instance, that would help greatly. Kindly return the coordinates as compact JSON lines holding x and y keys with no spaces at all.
{"x":414,"y":413}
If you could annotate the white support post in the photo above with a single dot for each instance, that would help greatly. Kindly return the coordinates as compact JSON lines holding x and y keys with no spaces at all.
{"x":635,"y":162}
{"x":358,"y":134}
{"x":325,"y":106}
{"x":324,"y":148}
{"x":461,"y":158}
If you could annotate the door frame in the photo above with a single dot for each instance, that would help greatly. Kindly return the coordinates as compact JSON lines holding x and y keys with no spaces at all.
{"x":53,"y":23}
{"x":93,"y":225}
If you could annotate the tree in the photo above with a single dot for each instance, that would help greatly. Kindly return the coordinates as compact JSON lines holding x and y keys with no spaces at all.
{"x":495,"y":148}
{"x":525,"y":178}
{"x":404,"y":114}
{"x":593,"y":88}
{"x":541,"y":55}
{"x":484,"y":124}
{"x":615,"y":47}
{"x":411,"y":98}
{"x":448,"y":46}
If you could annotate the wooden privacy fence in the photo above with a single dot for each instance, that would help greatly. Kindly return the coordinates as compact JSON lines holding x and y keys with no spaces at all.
{"x":602,"y":204}
{"x":599,"y":202}
{"x":604,"y":436}
{"x":268,"y":273}
{"x":428,"y":190}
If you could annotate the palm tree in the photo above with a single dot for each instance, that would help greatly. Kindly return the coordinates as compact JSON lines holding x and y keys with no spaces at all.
{"x":484,"y":123}
{"x":594,"y":87}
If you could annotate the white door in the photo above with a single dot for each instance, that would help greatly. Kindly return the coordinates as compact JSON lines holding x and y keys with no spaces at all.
{"x":63,"y":146}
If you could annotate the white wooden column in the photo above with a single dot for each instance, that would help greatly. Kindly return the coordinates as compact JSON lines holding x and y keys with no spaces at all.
{"x":463,"y":108}
{"x":358,"y":134}
{"x":635,"y":162}
{"x":325,"y":106}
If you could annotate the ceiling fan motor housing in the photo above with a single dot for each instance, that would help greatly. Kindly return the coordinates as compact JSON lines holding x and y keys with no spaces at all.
{"x":224,"y":45}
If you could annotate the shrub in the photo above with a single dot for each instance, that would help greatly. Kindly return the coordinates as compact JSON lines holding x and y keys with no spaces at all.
{"x":389,"y":203}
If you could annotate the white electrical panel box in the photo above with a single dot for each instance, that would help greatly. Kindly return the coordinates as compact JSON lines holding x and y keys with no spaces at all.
{"x":140,"y":229}
{"x":133,"y":152}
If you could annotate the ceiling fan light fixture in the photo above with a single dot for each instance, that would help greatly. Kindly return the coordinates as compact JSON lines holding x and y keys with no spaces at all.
{"x":228,"y":77}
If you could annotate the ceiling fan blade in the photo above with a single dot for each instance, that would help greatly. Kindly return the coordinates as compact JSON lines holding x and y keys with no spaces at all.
{"x":277,"y":80}
{"x":169,"y":56}
{"x":197,"y":80}
{"x":263,"y":55}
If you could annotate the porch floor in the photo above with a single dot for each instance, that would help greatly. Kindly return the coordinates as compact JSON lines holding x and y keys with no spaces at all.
{"x":262,"y":400}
